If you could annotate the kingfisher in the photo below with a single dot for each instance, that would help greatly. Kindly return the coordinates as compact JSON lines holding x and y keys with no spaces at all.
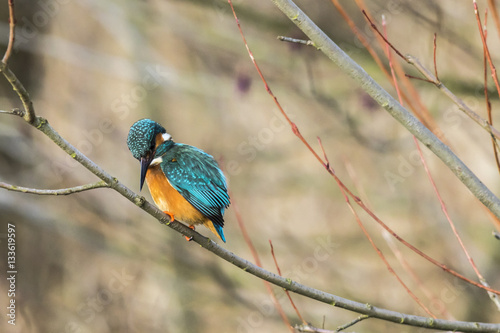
{"x":184,"y":181}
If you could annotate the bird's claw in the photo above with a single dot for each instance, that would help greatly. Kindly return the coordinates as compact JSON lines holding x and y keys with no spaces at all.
{"x":172,"y":219}
{"x":189,"y":238}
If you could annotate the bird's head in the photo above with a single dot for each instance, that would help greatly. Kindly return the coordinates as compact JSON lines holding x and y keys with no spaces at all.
{"x":143,"y":139}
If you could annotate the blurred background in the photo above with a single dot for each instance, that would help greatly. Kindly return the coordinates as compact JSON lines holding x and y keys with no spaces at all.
{"x":94,"y":262}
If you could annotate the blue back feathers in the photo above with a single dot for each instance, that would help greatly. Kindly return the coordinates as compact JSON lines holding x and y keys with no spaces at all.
{"x":197,"y":177}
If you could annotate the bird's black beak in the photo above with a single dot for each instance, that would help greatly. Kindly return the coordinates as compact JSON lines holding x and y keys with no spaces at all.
{"x":145,"y":162}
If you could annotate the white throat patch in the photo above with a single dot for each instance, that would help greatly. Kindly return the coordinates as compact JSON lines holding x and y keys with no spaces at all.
{"x":166,"y":136}
{"x":156,"y":161}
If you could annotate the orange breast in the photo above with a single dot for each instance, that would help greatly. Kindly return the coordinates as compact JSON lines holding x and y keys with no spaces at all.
{"x":168,"y":199}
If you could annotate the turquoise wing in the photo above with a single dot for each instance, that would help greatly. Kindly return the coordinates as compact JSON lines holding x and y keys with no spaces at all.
{"x":197,"y":177}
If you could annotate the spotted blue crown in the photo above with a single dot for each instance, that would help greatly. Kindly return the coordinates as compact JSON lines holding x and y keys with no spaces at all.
{"x":141,"y":138}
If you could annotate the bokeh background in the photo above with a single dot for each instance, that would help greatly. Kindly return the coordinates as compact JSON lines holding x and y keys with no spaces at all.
{"x":94,"y":262}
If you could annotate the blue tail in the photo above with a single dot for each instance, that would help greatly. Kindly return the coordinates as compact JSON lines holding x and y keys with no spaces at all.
{"x":220,"y":232}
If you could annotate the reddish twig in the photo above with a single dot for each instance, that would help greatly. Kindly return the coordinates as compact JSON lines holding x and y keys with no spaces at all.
{"x":374,"y":27}
{"x":419,"y":78}
{"x":12,"y":28}
{"x":389,"y":57}
{"x":357,"y":185}
{"x":486,"y":49}
{"x":486,"y":94}
{"x":256,"y":258}
{"x":493,"y":6}
{"x":286,"y":291}
{"x":296,"y":131}
{"x":420,"y":110}
{"x":493,"y":297}
{"x":434,"y":53}
{"x":294,"y":127}
{"x":445,"y":210}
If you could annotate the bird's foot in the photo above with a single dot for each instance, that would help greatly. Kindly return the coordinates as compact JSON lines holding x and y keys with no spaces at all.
{"x":189,"y":238}
{"x":171,"y":215}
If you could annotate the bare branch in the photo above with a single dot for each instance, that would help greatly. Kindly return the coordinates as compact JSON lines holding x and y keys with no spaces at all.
{"x":374,"y":27}
{"x":29,"y":112}
{"x":64,"y":191}
{"x":486,"y":49}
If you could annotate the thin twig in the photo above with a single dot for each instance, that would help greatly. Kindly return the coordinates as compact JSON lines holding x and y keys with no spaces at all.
{"x":12,"y":34}
{"x":64,"y":191}
{"x":419,"y":78}
{"x":374,"y":27}
{"x":29,"y":112}
{"x":486,"y":49}
{"x":389,"y":57}
{"x":295,"y":40}
{"x":486,"y":94}
{"x":15,"y":112}
{"x":493,"y":297}
{"x":286,"y":291}
{"x":434,"y":56}
{"x":311,"y":329}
